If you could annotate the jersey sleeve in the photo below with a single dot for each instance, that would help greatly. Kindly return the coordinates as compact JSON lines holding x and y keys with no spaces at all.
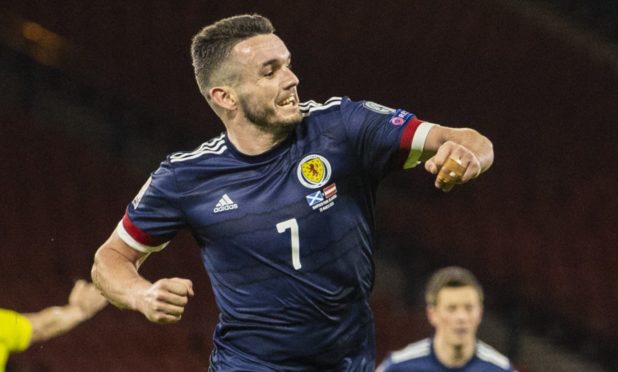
{"x":384,"y":138}
{"x":154,"y":216}
{"x":15,"y":331}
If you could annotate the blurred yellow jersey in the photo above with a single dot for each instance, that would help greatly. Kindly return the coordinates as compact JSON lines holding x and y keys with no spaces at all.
{"x":15,"y":334}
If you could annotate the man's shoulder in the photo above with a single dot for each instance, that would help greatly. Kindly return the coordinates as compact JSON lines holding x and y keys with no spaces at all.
{"x":313,"y":109}
{"x":349,"y":111}
{"x":414,"y":357}
{"x":491,"y":356}
{"x":415,"y":350}
{"x":184,"y":167}
{"x":213,"y":148}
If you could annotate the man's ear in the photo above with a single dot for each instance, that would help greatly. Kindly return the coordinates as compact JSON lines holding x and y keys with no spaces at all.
{"x":430,"y":311}
{"x":482,"y":312}
{"x":223,"y":97}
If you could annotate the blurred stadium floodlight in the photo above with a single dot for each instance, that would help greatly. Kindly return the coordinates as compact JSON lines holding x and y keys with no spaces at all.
{"x":34,"y":40}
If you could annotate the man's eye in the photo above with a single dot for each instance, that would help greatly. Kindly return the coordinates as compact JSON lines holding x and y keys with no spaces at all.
{"x":269,"y":73}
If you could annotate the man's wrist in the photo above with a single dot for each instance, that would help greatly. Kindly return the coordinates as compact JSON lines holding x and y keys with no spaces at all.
{"x":76,"y":312}
{"x":138,"y":292}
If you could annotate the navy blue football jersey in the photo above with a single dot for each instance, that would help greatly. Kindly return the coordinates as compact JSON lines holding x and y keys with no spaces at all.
{"x":285,"y":236}
{"x":420,"y":357}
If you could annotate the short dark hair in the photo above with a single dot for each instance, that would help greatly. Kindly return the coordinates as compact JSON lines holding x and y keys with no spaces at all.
{"x":450,"y":277}
{"x":212,"y":45}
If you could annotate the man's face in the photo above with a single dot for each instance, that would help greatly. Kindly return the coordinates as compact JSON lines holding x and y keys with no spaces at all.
{"x":266,"y":86}
{"x":456,"y":315}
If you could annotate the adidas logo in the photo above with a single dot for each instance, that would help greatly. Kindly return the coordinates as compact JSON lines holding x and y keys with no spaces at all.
{"x":225,"y":204}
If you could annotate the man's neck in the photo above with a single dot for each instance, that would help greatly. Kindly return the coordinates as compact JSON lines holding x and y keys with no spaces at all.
{"x":453,"y":355}
{"x":251,"y":140}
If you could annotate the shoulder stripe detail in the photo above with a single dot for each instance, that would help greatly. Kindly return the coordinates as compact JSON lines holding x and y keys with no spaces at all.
{"x":214,"y":146}
{"x":491,"y":355}
{"x":332,"y":99}
{"x":308,"y":103}
{"x":415,"y":350}
{"x":311,"y":106}
{"x":314,"y":103}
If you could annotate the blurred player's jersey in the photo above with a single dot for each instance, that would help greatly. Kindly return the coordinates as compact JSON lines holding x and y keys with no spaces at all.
{"x":15,"y":334}
{"x":286,"y":236}
{"x":421,"y":357}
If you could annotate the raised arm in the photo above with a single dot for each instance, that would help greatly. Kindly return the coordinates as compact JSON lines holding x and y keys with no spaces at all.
{"x":115,"y":273}
{"x":84,"y":302}
{"x":471,"y":150}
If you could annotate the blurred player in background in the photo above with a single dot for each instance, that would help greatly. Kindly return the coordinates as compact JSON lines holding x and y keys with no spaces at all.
{"x":282,"y":207}
{"x":19,"y":331}
{"x":454,"y":300}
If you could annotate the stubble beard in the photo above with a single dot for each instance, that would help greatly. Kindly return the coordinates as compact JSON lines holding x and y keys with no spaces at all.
{"x":266,"y":119}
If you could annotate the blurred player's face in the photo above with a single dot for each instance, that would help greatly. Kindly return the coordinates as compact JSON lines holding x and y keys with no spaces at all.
{"x":456,"y":315}
{"x":266,"y":86}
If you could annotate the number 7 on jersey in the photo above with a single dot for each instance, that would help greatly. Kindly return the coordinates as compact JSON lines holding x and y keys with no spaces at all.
{"x":293,"y":226}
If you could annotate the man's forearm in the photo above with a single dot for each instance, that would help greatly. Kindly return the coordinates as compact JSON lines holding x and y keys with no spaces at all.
{"x":54,"y":321}
{"x":118,"y":279}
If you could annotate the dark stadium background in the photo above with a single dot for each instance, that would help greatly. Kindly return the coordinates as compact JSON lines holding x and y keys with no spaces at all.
{"x":93,"y":94}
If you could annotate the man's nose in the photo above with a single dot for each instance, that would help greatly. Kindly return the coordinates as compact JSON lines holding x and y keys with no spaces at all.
{"x":290,"y":79}
{"x":461,"y":314}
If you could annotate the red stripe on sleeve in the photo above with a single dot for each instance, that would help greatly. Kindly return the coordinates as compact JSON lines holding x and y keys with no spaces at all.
{"x":408,"y":134}
{"x":405,"y":142}
{"x":139,"y":235}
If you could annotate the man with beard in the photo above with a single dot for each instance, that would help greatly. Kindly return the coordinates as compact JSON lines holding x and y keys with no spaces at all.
{"x":282,"y":207}
{"x":454,"y":301}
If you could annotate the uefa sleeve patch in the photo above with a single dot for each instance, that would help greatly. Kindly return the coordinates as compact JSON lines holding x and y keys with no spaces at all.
{"x":400,"y":117}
